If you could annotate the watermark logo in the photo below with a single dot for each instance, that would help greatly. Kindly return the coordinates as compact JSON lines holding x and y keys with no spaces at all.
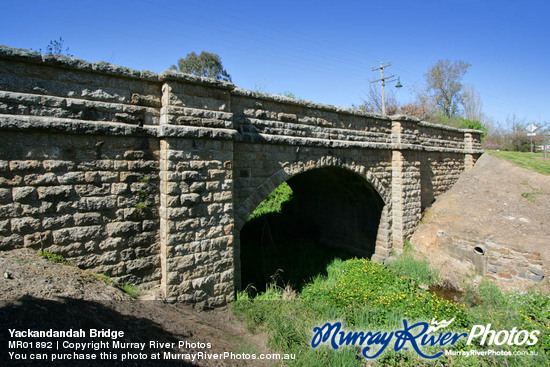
{"x":418,"y":335}
{"x":512,"y":337}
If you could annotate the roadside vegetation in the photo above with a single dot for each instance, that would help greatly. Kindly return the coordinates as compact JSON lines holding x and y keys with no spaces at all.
{"x":532,"y":161}
{"x":370,"y":296}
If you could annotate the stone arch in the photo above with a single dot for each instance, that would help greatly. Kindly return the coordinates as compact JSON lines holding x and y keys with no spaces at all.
{"x":291,"y":170}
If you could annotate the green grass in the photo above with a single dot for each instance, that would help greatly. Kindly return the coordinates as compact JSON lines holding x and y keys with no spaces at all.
{"x":408,"y":266}
{"x":130,"y":290}
{"x":532,"y":161}
{"x":273,"y":202}
{"x":56,"y":258}
{"x":368,"y":296}
{"x":291,"y":263}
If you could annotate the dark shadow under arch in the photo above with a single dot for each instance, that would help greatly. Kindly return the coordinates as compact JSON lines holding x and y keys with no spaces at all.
{"x":333,"y":213}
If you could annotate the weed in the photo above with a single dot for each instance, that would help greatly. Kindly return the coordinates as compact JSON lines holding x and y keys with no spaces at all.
{"x":130,"y":290}
{"x":56,"y":258}
{"x":490,"y":295}
{"x":530,"y":196}
{"x":144,"y":179}
{"x":419,"y":270}
{"x":104,"y":278}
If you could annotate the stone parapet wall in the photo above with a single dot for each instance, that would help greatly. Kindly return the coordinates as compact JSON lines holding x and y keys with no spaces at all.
{"x":259,"y":116}
{"x":149,"y":177}
{"x":63,"y":87}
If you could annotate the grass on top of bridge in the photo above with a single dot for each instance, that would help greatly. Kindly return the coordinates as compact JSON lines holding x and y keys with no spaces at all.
{"x":532,"y":161}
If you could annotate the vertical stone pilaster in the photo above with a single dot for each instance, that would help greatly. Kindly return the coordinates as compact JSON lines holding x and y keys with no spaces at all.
{"x":197,"y":222}
{"x":468,"y":150}
{"x":397,"y":204}
{"x":406,"y":185}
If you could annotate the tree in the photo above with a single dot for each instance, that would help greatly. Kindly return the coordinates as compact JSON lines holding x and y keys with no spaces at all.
{"x":373,"y":101}
{"x":206,"y":64}
{"x":56,"y":47}
{"x":444,"y":85}
{"x":473,"y":107}
{"x":418,"y":110}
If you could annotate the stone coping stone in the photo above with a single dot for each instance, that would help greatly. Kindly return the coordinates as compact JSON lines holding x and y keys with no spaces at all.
{"x":72,"y":126}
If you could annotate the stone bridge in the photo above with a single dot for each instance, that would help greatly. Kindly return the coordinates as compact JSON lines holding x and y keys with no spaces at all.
{"x":149,"y":178}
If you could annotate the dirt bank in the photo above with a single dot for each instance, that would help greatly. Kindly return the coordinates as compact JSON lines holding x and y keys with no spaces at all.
{"x":495,"y":202}
{"x":38,"y":294}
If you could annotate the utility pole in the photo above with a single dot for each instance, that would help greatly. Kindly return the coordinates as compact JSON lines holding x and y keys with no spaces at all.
{"x":383,"y":83}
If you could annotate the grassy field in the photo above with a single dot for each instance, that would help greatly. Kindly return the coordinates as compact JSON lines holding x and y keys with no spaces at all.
{"x":532,"y":161}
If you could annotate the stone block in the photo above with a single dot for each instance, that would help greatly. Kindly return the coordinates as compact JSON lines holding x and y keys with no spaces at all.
{"x":59,"y":221}
{"x":149,"y":225}
{"x":25,"y":225}
{"x":11,"y":242}
{"x":23,"y":194}
{"x":535,"y":271}
{"x":58,"y":165}
{"x":122,"y":228}
{"x":71,"y":178}
{"x":86,"y":219}
{"x":187,"y":199}
{"x":34,"y":208}
{"x":50,"y":193}
{"x":40,"y":179}
{"x":76,"y":234}
{"x":100,"y":203}
{"x":111,"y":243}
{"x":30,"y":165}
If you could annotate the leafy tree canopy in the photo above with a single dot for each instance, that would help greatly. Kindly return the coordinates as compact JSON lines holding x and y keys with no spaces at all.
{"x":206,"y":64}
{"x":444,"y":85}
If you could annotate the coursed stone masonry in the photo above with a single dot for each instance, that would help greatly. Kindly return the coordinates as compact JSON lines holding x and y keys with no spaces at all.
{"x":150,"y":177}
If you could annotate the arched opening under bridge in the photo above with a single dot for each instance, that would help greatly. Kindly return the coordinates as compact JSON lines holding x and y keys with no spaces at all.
{"x":307,"y":222}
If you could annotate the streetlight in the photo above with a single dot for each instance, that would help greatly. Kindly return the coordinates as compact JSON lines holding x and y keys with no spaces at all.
{"x":383,"y":81}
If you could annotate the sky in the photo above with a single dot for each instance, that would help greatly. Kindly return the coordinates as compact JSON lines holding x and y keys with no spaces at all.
{"x":322,"y":51}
